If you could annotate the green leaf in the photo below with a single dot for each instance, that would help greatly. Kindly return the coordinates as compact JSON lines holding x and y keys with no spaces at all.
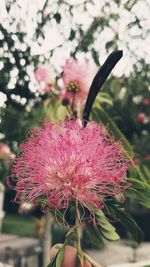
{"x":57,"y":260}
{"x":135,"y":171}
{"x":60,"y":256}
{"x":146,"y":172}
{"x":103,"y":98}
{"x":118,"y":134}
{"x":140,"y":191}
{"x":110,"y":235}
{"x":106,"y":101}
{"x":108,"y":231}
{"x":139,"y":184}
{"x":51,"y":264}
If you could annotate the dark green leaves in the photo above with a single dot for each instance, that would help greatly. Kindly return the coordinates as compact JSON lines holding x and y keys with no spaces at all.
{"x":103,"y":229}
{"x":94,"y":235}
{"x":118,"y":213}
{"x":100,"y":115}
{"x":139,"y":191}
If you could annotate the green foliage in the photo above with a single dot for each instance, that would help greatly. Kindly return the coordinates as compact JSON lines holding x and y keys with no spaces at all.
{"x":101,"y":230}
{"x":118,"y":213}
{"x":19,"y":225}
{"x":4,"y":170}
{"x":107,"y":230}
{"x":94,"y":235}
{"x":100,"y":115}
{"x":139,"y":191}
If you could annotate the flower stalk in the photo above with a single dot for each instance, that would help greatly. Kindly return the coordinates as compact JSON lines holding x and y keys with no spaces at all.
{"x":78,"y":240}
{"x":78,"y":235}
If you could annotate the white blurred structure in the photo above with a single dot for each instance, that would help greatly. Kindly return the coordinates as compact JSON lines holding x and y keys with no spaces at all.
{"x":2,"y":213}
{"x":5,"y":265}
{"x":19,"y":251}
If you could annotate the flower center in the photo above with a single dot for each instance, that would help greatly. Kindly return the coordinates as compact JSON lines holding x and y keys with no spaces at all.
{"x":73,"y":87}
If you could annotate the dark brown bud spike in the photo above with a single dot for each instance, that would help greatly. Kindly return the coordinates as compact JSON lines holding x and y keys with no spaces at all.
{"x":99,"y":80}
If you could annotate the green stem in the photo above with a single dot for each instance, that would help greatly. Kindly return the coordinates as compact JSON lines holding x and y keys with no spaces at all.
{"x":79,"y":250}
{"x":92,"y":261}
{"x":78,"y":243}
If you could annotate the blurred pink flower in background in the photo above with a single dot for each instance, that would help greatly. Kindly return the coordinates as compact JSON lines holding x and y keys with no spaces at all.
{"x":66,"y":162}
{"x":47,"y":88}
{"x":136,"y":160}
{"x":45,"y":75}
{"x":77,"y":78}
{"x":146,"y":101}
{"x":141,"y":117}
{"x":147,"y":157}
{"x":4,"y":150}
{"x":5,"y":153}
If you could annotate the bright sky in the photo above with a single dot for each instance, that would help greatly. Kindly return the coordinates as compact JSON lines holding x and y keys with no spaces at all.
{"x":28,"y":16}
{"x":57,"y":34}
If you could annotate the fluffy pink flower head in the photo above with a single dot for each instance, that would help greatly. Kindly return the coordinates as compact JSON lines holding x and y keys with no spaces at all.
{"x":77,"y":78}
{"x":65,"y":162}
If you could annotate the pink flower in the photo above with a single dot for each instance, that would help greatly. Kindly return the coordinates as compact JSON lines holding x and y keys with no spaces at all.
{"x":146,"y":101}
{"x":46,"y":76}
{"x":141,"y":117}
{"x":147,"y":157}
{"x":4,"y":151}
{"x":65,"y":162}
{"x":77,"y":78}
{"x":47,"y":88}
{"x":136,"y":160}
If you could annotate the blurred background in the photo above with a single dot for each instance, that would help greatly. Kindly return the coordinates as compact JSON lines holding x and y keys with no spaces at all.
{"x":41,"y":34}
